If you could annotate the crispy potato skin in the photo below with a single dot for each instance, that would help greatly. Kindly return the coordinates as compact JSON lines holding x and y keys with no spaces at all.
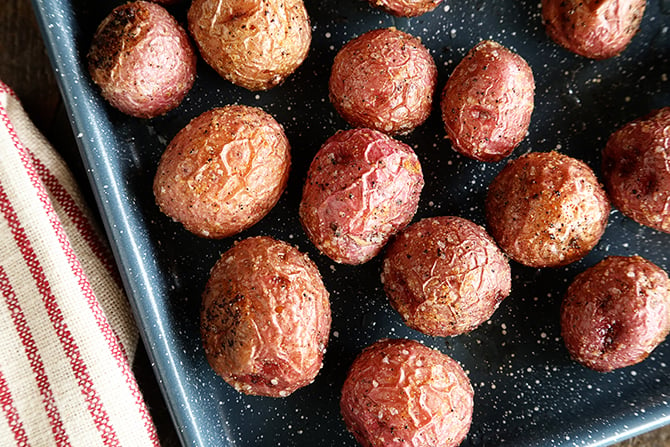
{"x":636,"y":169}
{"x":224,"y":171}
{"x":265,"y":318}
{"x":402,"y":393}
{"x":405,"y":8}
{"x":361,"y":188}
{"x":597,"y":29}
{"x":487,"y":102}
{"x":142,"y":60}
{"x":255,"y":44}
{"x":616,"y":312}
{"x":384,"y":80}
{"x":445,"y":275}
{"x":546,"y":209}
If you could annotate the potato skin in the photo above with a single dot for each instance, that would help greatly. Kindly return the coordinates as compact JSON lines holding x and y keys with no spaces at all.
{"x":384,"y":80}
{"x":636,"y":169}
{"x":445,"y":275}
{"x":265,"y":318}
{"x":597,"y":29}
{"x":616,"y":312}
{"x":224,"y":171}
{"x":487,"y":102}
{"x":142,"y":60}
{"x":361,"y":188}
{"x":255,"y":44}
{"x":406,"y":8}
{"x":546,"y":209}
{"x":402,"y":393}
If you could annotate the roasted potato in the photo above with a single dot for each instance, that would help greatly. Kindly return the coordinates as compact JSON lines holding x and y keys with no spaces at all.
{"x":361,"y":188}
{"x":253,"y":44}
{"x":487,"y":102}
{"x":142,"y":60}
{"x":224,"y":171}
{"x":616,"y":312}
{"x":636,"y":169}
{"x":597,"y":29}
{"x":384,"y":80}
{"x":546,"y":209}
{"x":405,"y":8}
{"x":402,"y":393}
{"x":265,"y":318}
{"x":445,"y":275}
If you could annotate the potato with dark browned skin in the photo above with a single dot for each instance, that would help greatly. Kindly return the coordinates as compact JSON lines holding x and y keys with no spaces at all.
{"x":616,"y":312}
{"x":384,"y":80}
{"x":546,"y":209}
{"x":253,"y":44}
{"x":406,"y":8}
{"x":445,"y":275}
{"x":636,"y":169}
{"x":402,"y":393}
{"x":142,"y":60}
{"x":361,"y":188}
{"x":487,"y":102}
{"x":224,"y":171}
{"x":265,"y":318}
{"x":597,"y":29}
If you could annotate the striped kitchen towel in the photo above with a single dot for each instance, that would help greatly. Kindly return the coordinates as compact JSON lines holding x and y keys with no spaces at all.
{"x":67,"y":337}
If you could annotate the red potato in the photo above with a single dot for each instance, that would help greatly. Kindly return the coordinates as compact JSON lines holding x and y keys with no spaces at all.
{"x":384,"y":80}
{"x":597,"y":29}
{"x":402,"y":393}
{"x":546,"y":209}
{"x":224,"y":171}
{"x":265,"y":318}
{"x":445,"y":275}
{"x":406,"y":8}
{"x":487,"y":102}
{"x":253,"y":44}
{"x":361,"y":188}
{"x":636,"y":169}
{"x":142,"y":60}
{"x":616,"y":312}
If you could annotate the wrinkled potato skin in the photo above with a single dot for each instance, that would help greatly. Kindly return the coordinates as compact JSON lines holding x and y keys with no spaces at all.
{"x":255,"y":44}
{"x":142,"y":60}
{"x":445,"y":275}
{"x":400,"y":393}
{"x":487,"y":102}
{"x":265,"y":318}
{"x":636,"y":169}
{"x":224,"y":171}
{"x":361,"y":188}
{"x":546,"y":209}
{"x":384,"y":80}
{"x":405,"y":8}
{"x":597,"y":29}
{"x":616,"y":312}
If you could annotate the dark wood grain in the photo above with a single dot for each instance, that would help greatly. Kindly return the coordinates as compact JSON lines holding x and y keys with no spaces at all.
{"x":24,"y":66}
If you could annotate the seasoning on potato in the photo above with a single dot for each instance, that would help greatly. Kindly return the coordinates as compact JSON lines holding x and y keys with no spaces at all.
{"x":546,"y":209}
{"x":406,"y":8}
{"x":597,"y":29}
{"x":636,"y":169}
{"x":384,"y":80}
{"x":361,"y":188}
{"x":400,"y":392}
{"x":253,"y":44}
{"x":142,"y":60}
{"x":445,"y":275}
{"x":487,"y":102}
{"x":265,"y":318}
{"x":616,"y":312}
{"x":224,"y":171}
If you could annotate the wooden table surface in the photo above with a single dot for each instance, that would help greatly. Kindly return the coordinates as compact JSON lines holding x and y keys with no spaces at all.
{"x":24,"y":66}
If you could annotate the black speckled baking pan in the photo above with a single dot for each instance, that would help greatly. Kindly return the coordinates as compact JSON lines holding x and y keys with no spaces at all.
{"x":527,"y":390}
